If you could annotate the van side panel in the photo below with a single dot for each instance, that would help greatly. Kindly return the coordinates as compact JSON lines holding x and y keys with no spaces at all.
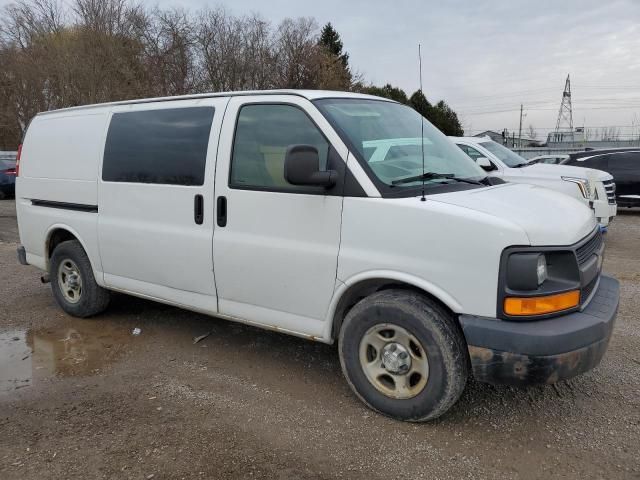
{"x":64,"y":147}
{"x":150,"y":241}
{"x":57,"y":186}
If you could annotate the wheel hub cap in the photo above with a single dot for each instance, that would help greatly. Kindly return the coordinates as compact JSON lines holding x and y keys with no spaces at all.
{"x":394,"y":361}
{"x":73,"y":281}
{"x":396,"y":358}
{"x":70,"y":281}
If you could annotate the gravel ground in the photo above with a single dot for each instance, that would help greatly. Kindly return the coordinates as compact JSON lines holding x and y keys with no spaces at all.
{"x":87,"y":399}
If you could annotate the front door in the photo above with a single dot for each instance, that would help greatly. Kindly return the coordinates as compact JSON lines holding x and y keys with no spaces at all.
{"x":156,"y":200}
{"x":276,"y":244}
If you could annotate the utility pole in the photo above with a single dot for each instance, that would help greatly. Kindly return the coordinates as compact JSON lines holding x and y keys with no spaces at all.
{"x":520,"y":129}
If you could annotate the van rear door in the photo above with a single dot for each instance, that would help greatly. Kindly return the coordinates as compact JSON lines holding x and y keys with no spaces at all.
{"x":156,"y":200}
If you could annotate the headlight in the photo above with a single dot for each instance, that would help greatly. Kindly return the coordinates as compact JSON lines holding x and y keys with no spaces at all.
{"x":583,"y":185}
{"x":526,"y":271}
{"x":541,"y":269}
{"x":537,"y":283}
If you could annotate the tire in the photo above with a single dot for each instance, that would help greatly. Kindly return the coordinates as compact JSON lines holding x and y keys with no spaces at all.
{"x":69,"y":262}
{"x":425,"y":329}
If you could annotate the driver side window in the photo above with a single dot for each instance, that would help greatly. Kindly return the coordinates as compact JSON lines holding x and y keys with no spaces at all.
{"x":472,"y":152}
{"x":263,"y":134}
{"x":475,"y":155}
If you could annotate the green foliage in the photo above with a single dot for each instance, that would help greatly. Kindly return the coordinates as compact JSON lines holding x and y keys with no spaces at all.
{"x":443,"y":117}
{"x":440,"y":114}
{"x":330,"y":39}
{"x":388,"y":91}
{"x":420,"y":104}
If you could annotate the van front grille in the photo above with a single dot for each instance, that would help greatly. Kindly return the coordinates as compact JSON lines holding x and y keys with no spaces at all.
{"x":587,"y":290}
{"x":584,"y":252}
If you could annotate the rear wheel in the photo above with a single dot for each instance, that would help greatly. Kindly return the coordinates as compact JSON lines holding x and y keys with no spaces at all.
{"x":403,"y":355}
{"x":72,"y":282}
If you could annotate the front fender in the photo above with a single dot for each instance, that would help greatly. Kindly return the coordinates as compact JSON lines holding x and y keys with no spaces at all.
{"x":390,"y":276}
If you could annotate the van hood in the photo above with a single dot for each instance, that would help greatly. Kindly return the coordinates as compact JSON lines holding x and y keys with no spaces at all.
{"x":545,"y":169}
{"x":546,"y":216}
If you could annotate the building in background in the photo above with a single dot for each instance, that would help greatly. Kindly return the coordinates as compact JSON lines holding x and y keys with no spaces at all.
{"x":582,"y":138}
{"x":509,"y":139}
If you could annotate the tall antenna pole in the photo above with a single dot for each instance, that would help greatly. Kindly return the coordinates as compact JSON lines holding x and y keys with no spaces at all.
{"x":422,"y":199}
{"x":565,"y":115}
{"x":520,"y":129}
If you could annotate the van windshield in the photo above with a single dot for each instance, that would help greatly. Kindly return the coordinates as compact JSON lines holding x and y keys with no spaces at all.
{"x":387,"y":138}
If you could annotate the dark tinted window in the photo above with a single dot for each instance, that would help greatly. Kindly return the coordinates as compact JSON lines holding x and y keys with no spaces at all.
{"x":625,"y":162}
{"x":598,"y":162}
{"x":263,"y":133}
{"x":158,"y":146}
{"x":472,"y":152}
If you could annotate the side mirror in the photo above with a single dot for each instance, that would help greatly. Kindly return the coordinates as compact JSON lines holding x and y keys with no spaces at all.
{"x":485,"y":164}
{"x":302,"y":167}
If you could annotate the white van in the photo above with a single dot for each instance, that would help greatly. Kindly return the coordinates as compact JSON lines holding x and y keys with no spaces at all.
{"x":594,"y":188}
{"x":267,"y":208}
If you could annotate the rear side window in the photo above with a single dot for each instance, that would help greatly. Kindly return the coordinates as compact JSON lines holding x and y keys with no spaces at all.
{"x":158,"y":146}
{"x":625,"y":162}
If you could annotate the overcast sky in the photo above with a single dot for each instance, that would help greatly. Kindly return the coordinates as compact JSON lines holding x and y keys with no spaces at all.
{"x":486,"y":57}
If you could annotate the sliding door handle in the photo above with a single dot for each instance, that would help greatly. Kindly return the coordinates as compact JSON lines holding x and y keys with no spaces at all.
{"x":198,"y":209}
{"x":221,"y":209}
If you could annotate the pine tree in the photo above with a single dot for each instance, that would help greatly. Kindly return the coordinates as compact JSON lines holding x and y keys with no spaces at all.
{"x":330,"y":39}
{"x":420,"y":104}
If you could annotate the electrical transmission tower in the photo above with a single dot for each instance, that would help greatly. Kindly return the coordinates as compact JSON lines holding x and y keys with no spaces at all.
{"x":564,"y":126}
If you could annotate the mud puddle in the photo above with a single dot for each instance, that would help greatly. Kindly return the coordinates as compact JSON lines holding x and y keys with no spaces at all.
{"x":79,"y":349}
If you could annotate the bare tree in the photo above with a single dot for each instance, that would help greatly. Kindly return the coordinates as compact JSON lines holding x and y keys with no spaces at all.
{"x":296,"y":53}
{"x":61,"y":53}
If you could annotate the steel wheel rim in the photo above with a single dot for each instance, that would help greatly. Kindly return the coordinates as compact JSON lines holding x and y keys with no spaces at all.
{"x":70,"y":280}
{"x":382,"y":353}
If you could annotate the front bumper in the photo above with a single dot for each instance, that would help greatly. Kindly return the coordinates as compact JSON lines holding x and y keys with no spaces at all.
{"x":542,"y":351}
{"x":604,"y":211}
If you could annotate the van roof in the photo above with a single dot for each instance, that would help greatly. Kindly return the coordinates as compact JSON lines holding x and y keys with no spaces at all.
{"x":308,"y":94}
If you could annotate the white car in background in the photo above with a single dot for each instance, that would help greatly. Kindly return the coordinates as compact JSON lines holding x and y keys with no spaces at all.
{"x":585,"y":184}
{"x":549,"y":159}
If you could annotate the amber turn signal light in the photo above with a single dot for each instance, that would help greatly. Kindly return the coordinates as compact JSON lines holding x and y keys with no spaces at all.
{"x":519,"y":306}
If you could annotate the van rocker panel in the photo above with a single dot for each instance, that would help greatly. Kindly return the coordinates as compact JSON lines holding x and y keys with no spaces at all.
{"x":542,"y":351}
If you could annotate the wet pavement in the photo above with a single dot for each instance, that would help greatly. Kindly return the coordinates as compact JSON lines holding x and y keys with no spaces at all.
{"x":80,"y":348}
{"x":86,"y":398}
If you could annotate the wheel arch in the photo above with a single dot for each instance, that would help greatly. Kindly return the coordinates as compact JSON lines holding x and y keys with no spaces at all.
{"x":360,"y":286}
{"x":57,"y":234}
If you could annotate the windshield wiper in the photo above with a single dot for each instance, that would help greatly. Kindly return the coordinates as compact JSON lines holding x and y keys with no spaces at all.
{"x":432,"y":176}
{"x":520,"y":165}
{"x":473,"y":182}
{"x":423,"y":176}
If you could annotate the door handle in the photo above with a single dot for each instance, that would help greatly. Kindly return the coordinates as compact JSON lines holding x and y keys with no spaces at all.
{"x":198,"y":209}
{"x":222,"y":211}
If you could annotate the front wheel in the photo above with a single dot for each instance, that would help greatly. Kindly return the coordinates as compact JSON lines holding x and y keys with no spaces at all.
{"x":403,"y":355}
{"x":72,"y":282}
